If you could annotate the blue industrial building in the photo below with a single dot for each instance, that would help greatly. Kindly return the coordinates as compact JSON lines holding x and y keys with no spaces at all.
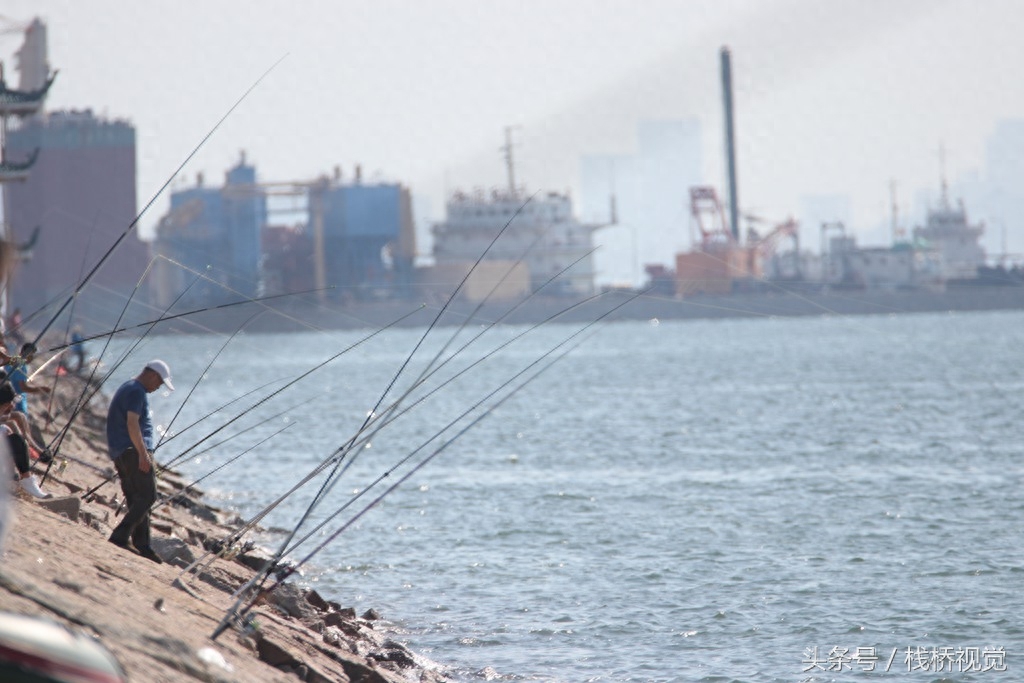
{"x":368,"y":241}
{"x":212,"y":235}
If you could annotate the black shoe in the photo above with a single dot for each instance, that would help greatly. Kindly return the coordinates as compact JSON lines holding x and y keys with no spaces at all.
{"x":150,"y":554}
{"x":127,"y":545}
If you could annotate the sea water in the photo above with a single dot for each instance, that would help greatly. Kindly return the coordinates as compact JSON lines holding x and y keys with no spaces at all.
{"x":815,"y":499}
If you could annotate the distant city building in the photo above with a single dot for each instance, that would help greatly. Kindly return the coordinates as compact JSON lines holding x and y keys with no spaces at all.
{"x":80,"y":195}
{"x":1003,"y":189}
{"x":650,"y":188}
{"x":817,"y":210}
{"x":542,"y":234}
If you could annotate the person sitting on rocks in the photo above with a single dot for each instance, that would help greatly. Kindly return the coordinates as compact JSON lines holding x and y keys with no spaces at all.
{"x":18,"y":446}
{"x":19,"y":423}
{"x":17,"y":375}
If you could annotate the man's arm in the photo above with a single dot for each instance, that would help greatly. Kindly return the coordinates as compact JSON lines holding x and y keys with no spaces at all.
{"x":135,"y":434}
{"x":30,"y":388}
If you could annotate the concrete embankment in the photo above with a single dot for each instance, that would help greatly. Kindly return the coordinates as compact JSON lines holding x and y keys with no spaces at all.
{"x":58,"y":565}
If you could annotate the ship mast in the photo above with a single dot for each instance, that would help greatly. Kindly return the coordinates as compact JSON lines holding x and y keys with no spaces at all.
{"x":942,"y":173}
{"x":509,"y":164}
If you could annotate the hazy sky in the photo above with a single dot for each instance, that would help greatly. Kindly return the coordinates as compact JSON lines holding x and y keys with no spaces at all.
{"x":832,"y":97}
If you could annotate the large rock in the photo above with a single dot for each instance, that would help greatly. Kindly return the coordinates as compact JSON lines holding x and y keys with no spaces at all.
{"x":291,"y":599}
{"x":68,"y":506}
{"x":173,"y":550}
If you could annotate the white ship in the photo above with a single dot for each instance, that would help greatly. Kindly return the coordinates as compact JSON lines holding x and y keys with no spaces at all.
{"x":542,"y":246}
{"x":542,"y":235}
{"x":950,"y":241}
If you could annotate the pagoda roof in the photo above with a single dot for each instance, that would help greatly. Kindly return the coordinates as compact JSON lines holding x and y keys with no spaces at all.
{"x":23,"y":102}
{"x":10,"y":170}
{"x":25,"y":249}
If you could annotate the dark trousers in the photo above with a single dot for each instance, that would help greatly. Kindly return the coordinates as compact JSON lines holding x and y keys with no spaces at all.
{"x":139,"y":490}
{"x":19,"y":451}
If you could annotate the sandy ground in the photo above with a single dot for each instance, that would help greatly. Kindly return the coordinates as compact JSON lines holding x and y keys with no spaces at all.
{"x":58,"y":564}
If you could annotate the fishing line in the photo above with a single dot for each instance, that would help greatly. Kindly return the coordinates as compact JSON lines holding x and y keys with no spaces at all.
{"x":251,"y":427}
{"x":71,"y":319}
{"x":345,"y":448}
{"x":464,"y":414}
{"x":196,"y":311}
{"x":187,"y":489}
{"x":206,"y":277}
{"x":153,"y":199}
{"x":202,"y":375}
{"x":213,"y":412}
{"x":84,"y":399}
{"x":388,"y":414}
{"x":236,"y":615}
{"x":234,"y":436}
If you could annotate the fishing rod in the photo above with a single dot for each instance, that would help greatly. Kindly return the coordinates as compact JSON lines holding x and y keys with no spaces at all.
{"x":152,"y":200}
{"x":202,"y":375}
{"x":464,"y":414}
{"x":92,"y":491}
{"x":86,"y":396}
{"x":339,"y":454}
{"x":391,"y":417}
{"x":110,"y":477}
{"x":388,"y":413}
{"x":213,"y":412}
{"x":296,"y":380}
{"x":433,"y":323}
{"x":236,"y":615}
{"x":218,"y":307}
{"x":188,"y":488}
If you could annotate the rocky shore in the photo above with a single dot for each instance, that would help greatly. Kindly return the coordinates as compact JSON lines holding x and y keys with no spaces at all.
{"x":57,"y":564}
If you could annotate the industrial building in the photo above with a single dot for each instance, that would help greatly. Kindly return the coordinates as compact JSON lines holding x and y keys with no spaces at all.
{"x":350,"y":241}
{"x":80,"y":195}
{"x":944,"y":251}
{"x":72,"y":195}
{"x":211,"y":242}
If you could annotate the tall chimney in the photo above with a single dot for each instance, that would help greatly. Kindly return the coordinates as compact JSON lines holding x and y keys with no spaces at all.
{"x":730,"y":143}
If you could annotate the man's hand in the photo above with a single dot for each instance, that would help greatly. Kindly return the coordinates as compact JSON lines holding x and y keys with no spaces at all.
{"x":145,"y":461}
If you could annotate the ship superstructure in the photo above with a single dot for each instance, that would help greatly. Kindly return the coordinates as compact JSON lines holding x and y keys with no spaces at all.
{"x":542,"y":233}
{"x":952,"y":241}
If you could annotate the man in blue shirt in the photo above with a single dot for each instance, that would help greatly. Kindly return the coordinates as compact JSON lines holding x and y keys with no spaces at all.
{"x":18,"y":377}
{"x":129,"y":444}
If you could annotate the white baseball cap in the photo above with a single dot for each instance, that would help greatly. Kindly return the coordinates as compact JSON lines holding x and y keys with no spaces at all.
{"x":161,"y":368}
